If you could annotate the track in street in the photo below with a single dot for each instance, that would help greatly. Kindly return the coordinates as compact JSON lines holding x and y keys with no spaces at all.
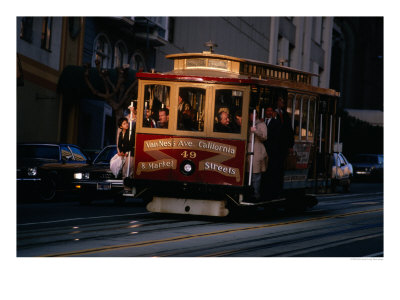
{"x":341,"y":225}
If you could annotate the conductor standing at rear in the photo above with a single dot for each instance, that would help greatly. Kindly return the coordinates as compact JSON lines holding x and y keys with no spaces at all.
{"x":260,"y":158}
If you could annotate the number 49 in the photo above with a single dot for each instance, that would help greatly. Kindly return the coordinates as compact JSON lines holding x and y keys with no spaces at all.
{"x":191,"y":154}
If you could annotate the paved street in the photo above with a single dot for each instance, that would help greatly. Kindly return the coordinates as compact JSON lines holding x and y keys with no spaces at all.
{"x":341,"y":225}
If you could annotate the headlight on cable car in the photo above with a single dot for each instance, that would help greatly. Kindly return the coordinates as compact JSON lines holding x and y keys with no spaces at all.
{"x":81,"y":176}
{"x":187,"y":167}
{"x":32,"y":171}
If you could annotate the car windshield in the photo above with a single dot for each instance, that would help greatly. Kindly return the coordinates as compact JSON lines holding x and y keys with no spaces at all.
{"x":38,"y":151}
{"x":105,"y":156}
{"x":366,"y":159}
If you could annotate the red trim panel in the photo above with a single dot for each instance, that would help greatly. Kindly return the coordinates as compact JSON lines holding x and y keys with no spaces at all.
{"x":158,"y":76}
{"x":213,"y":161}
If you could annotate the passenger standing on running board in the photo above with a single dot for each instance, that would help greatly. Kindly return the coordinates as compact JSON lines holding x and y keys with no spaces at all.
{"x":260,"y":158}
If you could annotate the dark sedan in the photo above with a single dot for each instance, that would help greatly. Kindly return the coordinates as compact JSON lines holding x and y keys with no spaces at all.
{"x":97,"y":180}
{"x":368,"y":166}
{"x":47,"y":169}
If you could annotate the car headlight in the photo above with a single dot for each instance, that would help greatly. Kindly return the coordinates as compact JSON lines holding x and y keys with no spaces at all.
{"x":32,"y":171}
{"x":81,"y":176}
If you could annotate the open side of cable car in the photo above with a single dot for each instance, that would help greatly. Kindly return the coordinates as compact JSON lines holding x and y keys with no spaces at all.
{"x":188,"y":161}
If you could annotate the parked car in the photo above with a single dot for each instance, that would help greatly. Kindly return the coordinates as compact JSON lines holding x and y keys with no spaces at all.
{"x":368,"y":166}
{"x":47,"y":169}
{"x":342,"y":172}
{"x":97,"y":180}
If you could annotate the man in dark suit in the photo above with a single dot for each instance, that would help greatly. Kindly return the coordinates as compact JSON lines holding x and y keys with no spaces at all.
{"x":286,"y":140}
{"x":272,"y":184}
{"x":287,"y":135}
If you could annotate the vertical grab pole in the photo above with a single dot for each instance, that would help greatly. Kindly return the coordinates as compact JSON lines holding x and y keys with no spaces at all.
{"x":129,"y":137}
{"x":320,"y":133}
{"x":330,"y":135}
{"x":252,"y":148}
{"x":338,"y":141}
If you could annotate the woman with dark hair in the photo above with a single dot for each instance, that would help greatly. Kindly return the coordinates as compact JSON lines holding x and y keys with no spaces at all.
{"x":126,"y":145}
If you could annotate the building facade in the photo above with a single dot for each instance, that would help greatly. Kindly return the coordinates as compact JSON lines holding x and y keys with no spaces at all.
{"x":300,"y":42}
{"x":357,"y":62}
{"x":40,"y":62}
{"x":54,"y":103}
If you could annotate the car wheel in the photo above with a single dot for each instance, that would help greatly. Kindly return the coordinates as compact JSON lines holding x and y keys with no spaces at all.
{"x":48,"y":189}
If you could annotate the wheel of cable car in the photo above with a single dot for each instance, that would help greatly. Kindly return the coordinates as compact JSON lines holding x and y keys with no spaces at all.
{"x":296,"y":201}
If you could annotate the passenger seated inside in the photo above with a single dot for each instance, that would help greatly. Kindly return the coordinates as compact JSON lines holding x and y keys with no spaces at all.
{"x":186,"y":118}
{"x":148,"y":121}
{"x":181,"y":104}
{"x":237,"y":122}
{"x":163,"y":118}
{"x":223,"y":124}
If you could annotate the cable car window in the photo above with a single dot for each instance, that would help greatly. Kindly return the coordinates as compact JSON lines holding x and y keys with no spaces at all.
{"x":228,"y":111}
{"x":191,"y":102}
{"x":304,"y":116}
{"x":156,"y":103}
{"x":289,"y":107}
{"x":296,"y":106}
{"x":264,"y":100}
{"x":217,"y":63}
{"x":311,"y":118}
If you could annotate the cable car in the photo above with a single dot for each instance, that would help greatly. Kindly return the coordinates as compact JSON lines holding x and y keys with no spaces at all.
{"x":187,"y":163}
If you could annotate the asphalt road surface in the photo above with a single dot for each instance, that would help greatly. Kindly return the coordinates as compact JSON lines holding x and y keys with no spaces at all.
{"x":341,"y":225}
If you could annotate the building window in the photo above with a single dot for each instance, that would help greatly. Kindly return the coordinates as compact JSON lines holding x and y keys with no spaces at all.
{"x":26,"y":29}
{"x":46,"y":33}
{"x":137,"y":62}
{"x":162,"y":24}
{"x":102,"y":51}
{"x":317,"y":29}
{"x":171,"y":28}
{"x":291,"y":55}
{"x":283,"y":50}
{"x":120,"y":54}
